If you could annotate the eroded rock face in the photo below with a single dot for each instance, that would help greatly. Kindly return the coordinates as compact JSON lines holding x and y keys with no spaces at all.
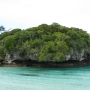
{"x":73,"y":55}
{"x":14,"y":55}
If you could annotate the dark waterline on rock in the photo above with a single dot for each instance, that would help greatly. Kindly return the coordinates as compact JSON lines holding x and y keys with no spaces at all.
{"x":31,"y":63}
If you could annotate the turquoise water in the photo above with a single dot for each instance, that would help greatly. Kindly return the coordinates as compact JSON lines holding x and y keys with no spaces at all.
{"x":28,"y":78}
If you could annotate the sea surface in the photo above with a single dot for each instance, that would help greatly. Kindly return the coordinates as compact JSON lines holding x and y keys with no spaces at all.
{"x":28,"y":78}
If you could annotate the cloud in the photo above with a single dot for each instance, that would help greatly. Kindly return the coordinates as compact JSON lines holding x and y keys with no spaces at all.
{"x":29,"y":13}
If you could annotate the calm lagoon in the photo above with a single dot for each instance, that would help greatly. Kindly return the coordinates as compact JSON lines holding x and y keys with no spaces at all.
{"x":28,"y":78}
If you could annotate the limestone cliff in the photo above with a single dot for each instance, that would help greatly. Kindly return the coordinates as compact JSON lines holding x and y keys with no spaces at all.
{"x":14,"y":55}
{"x":73,"y":55}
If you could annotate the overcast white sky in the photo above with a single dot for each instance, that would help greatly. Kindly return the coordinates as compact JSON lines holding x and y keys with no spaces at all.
{"x":30,"y":13}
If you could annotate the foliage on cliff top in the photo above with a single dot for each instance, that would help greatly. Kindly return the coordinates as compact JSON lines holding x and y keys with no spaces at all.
{"x":46,"y":42}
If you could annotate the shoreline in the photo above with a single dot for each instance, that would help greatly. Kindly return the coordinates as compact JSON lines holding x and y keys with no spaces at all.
{"x":47,"y":64}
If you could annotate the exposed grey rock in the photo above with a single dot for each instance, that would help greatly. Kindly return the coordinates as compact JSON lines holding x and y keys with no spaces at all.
{"x":76,"y":55}
{"x":73,"y":55}
{"x":14,"y":55}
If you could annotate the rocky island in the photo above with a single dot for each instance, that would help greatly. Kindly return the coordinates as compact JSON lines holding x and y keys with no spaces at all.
{"x":45,"y":46}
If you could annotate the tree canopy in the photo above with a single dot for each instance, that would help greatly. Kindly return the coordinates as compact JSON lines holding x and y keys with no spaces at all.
{"x":2,"y":28}
{"x":49,"y":42}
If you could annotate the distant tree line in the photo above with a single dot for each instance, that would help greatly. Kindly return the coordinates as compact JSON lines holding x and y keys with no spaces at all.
{"x":2,"y":28}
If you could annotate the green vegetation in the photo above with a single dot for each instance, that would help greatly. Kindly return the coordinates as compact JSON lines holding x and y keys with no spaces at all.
{"x":46,"y":42}
{"x":2,"y":28}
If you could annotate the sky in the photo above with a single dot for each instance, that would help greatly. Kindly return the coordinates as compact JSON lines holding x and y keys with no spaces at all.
{"x":31,"y":13}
